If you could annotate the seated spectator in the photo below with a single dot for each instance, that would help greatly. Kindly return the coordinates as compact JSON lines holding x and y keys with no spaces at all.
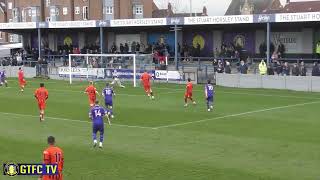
{"x":220,"y":68}
{"x":278,"y":68}
{"x":295,"y":70}
{"x":286,"y":69}
{"x":303,"y":69}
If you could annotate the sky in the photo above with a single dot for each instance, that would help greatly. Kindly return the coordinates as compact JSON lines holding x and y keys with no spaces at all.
{"x":215,"y":7}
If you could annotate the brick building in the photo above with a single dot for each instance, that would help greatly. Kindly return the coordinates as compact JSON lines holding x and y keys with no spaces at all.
{"x":70,"y":10}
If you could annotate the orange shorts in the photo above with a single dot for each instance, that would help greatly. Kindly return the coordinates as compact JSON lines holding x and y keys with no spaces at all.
{"x":42,"y":105}
{"x":147,"y":87}
{"x":92,"y":100}
{"x":188,"y":95}
{"x":53,"y":177}
{"x":22,"y":82}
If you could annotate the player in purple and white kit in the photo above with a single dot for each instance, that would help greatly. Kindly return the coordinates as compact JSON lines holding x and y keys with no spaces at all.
{"x":3,"y":78}
{"x":108,"y":94}
{"x":97,"y":114}
{"x":209,"y":93}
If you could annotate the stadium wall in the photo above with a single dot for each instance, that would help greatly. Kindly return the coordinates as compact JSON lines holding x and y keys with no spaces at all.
{"x":12,"y":71}
{"x":295,"y":83}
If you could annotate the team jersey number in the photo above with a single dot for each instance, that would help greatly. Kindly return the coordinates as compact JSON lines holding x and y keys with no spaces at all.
{"x":58,"y":157}
{"x":108,"y":91}
{"x":210,"y":88}
{"x":97,"y":113}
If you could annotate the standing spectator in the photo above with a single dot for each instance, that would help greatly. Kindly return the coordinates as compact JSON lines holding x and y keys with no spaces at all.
{"x":114,"y":48}
{"x":243,"y":67}
{"x":126,"y":48}
{"x":318,"y":50}
{"x":270,"y":70}
{"x":133,"y":47}
{"x":315,"y":69}
{"x":281,"y":50}
{"x":138,"y":47}
{"x":286,"y":69}
{"x":220,"y":68}
{"x":121,"y":48}
{"x":227,"y":69}
{"x":279,"y":68}
{"x":295,"y":70}
{"x":303,"y":69}
{"x":263,"y":68}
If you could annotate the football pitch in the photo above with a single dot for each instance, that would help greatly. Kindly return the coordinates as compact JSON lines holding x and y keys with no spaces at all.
{"x":252,"y":134}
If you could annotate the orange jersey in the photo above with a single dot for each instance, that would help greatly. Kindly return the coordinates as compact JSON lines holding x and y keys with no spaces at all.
{"x":91,"y":91}
{"x":53,"y":155}
{"x":189,"y":87}
{"x":20,"y":75}
{"x":145,"y":78}
{"x":41,"y":94}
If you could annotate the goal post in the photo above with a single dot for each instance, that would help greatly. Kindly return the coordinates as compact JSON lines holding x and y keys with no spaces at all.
{"x":85,"y":60}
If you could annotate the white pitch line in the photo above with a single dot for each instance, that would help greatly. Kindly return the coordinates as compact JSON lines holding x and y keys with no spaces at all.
{"x":234,"y":115}
{"x":74,"y":120}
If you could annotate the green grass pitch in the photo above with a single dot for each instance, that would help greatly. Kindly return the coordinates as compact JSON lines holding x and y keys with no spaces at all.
{"x":251,"y":135}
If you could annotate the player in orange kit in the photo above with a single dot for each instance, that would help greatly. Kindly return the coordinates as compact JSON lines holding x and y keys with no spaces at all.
{"x":145,"y":79}
{"x":22,"y":81}
{"x":92,"y":92}
{"x":188,"y":94}
{"x":53,"y":155}
{"x":41,"y":94}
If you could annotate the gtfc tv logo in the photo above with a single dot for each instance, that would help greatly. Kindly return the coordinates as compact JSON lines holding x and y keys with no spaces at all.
{"x":13,"y":169}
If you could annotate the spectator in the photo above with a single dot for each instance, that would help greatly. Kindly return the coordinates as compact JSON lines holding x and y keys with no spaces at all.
{"x":114,"y":48}
{"x":270,"y":70}
{"x":281,"y":50}
{"x":121,"y":48}
{"x":279,"y":68}
{"x":126,"y":48}
{"x":220,"y":68}
{"x":138,"y":47}
{"x":133,"y":47}
{"x":316,"y":69}
{"x":318,"y":50}
{"x":286,"y":69}
{"x":243,"y":68}
{"x":295,"y":70}
{"x":303,"y":69}
{"x":263,"y":68}
{"x":227,"y":69}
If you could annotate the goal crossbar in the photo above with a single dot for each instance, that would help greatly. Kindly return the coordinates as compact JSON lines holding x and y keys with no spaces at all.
{"x":103,"y":55}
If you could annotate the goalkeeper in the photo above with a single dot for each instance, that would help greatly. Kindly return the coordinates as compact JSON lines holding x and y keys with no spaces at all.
{"x":116,"y":79}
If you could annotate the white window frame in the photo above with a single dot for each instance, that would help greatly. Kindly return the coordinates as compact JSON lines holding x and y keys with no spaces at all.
{"x":1,"y":34}
{"x":15,"y":12}
{"x":9,"y":5}
{"x":85,"y":12}
{"x":30,"y":12}
{"x":57,"y":11}
{"x":48,"y":2}
{"x":109,"y":10}
{"x":77,"y":10}
{"x":138,"y":9}
{"x":11,"y":38}
{"x":65,"y":11}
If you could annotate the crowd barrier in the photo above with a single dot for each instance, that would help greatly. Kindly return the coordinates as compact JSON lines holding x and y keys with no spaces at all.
{"x":296,"y":83}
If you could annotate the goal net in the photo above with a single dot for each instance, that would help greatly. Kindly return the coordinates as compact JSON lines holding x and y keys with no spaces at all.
{"x":94,"y":67}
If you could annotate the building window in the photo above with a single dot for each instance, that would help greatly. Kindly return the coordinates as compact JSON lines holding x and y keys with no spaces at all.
{"x":9,"y":5}
{"x":30,"y":12}
{"x":1,"y":36}
{"x":108,"y":10}
{"x":54,"y":11}
{"x":15,"y":13}
{"x":77,"y":10}
{"x":48,"y":19}
{"x":85,"y":13}
{"x":65,"y":11}
{"x":11,"y":38}
{"x":139,"y":9}
{"x":48,"y":3}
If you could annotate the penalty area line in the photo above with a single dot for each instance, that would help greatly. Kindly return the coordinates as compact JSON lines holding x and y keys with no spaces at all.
{"x":235,"y":115}
{"x":74,"y":120}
